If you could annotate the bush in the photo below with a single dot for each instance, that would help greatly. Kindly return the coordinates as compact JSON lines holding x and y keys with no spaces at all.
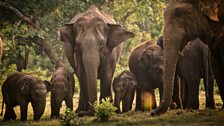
{"x":70,"y":118}
{"x":104,"y":110}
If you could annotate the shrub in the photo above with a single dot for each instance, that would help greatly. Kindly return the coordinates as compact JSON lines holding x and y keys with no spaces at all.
{"x":104,"y":110}
{"x":70,"y":118}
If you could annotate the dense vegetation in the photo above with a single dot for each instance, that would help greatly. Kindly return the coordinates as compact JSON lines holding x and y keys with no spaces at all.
{"x":30,"y":29}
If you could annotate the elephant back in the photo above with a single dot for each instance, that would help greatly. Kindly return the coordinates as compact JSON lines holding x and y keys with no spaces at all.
{"x":93,"y":11}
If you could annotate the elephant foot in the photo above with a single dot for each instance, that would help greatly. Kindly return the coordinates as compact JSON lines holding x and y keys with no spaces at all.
{"x":86,"y":113}
{"x":173,"y":105}
{"x":153,"y":113}
{"x":55,"y":117}
{"x":210,"y":105}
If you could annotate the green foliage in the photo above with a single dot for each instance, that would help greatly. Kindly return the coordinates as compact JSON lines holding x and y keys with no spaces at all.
{"x":39,"y":73}
{"x":70,"y":118}
{"x":10,"y":70}
{"x":104,"y":110}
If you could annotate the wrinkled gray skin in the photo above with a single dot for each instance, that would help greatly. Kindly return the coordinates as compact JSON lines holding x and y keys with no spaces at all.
{"x":146,"y":63}
{"x":124,"y":90}
{"x":186,"y":20}
{"x":20,"y":89}
{"x":193,"y":64}
{"x":92,"y":43}
{"x":63,"y":90}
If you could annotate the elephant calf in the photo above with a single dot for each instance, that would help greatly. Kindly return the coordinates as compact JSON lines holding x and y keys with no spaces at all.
{"x":146,"y":63}
{"x":20,"y":89}
{"x":124,"y":89}
{"x":63,"y":89}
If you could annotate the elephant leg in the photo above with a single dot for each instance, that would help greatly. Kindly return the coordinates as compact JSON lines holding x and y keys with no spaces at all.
{"x":193,"y":94}
{"x":127,"y":101}
{"x":176,"y":93}
{"x":185,"y":93}
{"x":154,"y":105}
{"x":82,"y":106}
{"x":138,"y":105}
{"x":23,"y":111}
{"x":9,"y":114}
{"x":218,"y":68}
{"x":209,"y":91}
{"x":56,"y":108}
{"x":53,"y":106}
{"x":69,"y":102}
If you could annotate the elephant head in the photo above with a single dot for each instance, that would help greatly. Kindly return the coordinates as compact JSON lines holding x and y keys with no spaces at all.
{"x":89,"y":38}
{"x":185,"y":20}
{"x":124,"y":88}
{"x":36,"y":91}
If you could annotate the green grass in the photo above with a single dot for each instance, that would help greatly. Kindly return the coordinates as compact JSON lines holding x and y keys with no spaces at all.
{"x":171,"y":117}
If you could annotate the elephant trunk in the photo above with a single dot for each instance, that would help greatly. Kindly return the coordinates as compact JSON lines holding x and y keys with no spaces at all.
{"x":91,"y":63}
{"x":117,"y":102}
{"x":171,"y":47}
{"x":38,"y":109}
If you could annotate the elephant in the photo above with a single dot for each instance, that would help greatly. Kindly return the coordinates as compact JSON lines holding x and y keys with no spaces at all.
{"x":93,"y":43}
{"x":20,"y":89}
{"x":124,"y":90}
{"x":186,"y":20}
{"x":146,"y":63}
{"x":63,"y":86}
{"x":1,"y":47}
{"x":194,"y":63}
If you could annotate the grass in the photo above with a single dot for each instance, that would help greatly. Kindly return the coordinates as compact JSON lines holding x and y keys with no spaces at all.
{"x":200,"y":117}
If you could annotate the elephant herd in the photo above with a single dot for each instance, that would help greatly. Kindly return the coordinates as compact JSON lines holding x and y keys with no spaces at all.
{"x":93,"y":44}
{"x":20,"y":89}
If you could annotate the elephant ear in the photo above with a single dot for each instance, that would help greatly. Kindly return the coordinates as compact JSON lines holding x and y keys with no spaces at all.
{"x":26,"y":88}
{"x":212,"y":9}
{"x":67,"y":33}
{"x":48,"y":85}
{"x":67,"y":36}
{"x":117,"y":35}
{"x":145,"y":58}
{"x":115,"y":81}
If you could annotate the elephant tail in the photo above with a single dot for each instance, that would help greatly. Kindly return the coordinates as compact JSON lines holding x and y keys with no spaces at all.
{"x":2,"y":106}
{"x":206,"y":68}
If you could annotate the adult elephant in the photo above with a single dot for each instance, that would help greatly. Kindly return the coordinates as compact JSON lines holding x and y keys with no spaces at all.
{"x":146,"y":63}
{"x":92,"y":42}
{"x":186,"y":20}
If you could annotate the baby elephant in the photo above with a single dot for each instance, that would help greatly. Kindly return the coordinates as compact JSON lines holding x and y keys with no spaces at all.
{"x":20,"y":89}
{"x":63,"y":89}
{"x":124,"y":89}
